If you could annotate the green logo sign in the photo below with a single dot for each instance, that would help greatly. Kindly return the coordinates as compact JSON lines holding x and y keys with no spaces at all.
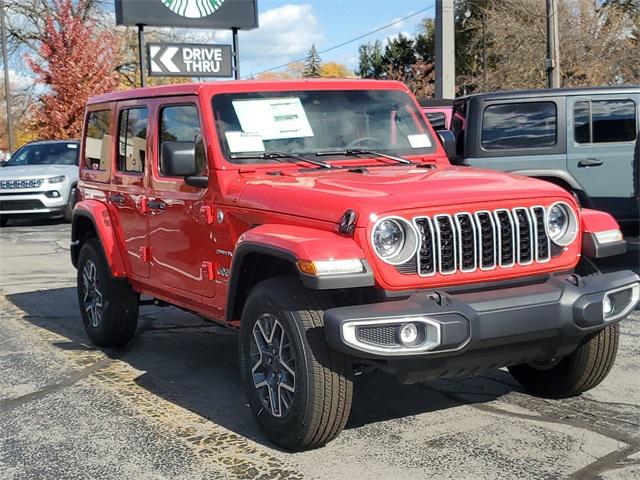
{"x":193,"y":8}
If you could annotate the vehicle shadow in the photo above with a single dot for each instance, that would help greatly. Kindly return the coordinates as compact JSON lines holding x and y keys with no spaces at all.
{"x":35,"y":221}
{"x":193,"y":364}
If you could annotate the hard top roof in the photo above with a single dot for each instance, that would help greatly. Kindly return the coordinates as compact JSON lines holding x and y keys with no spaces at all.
{"x":554,"y":92}
{"x":245,"y":85}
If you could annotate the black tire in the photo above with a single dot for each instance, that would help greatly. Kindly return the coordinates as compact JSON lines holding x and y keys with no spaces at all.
{"x":71,"y":203}
{"x":113,"y":322}
{"x":320,"y":406}
{"x":3,"y":221}
{"x":581,"y":370}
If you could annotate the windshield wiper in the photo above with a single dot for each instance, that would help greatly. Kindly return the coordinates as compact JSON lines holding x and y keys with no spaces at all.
{"x":354,"y":152}
{"x":279,"y":157}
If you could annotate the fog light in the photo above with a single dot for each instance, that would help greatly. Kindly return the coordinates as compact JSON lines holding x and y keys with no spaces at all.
{"x":607,"y":306}
{"x":409,"y":333}
{"x":52,"y":194}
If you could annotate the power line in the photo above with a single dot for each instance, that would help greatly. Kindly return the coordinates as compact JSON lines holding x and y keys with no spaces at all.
{"x":340,"y":45}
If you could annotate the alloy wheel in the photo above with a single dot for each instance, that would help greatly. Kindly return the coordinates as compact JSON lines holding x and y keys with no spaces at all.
{"x":274,"y":365}
{"x":92,"y":298}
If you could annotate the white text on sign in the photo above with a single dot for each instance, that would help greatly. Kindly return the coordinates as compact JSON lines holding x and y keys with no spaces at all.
{"x":202,"y":60}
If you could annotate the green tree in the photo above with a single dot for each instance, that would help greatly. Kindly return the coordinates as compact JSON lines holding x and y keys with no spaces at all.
{"x":399,"y":56}
{"x":313,"y":64}
{"x":371,"y":63}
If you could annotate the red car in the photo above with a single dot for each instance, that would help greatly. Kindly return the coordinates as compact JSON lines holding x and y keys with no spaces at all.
{"x":323,"y":221}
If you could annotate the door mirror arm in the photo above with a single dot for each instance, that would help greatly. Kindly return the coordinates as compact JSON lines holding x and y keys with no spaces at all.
{"x":197,"y":181}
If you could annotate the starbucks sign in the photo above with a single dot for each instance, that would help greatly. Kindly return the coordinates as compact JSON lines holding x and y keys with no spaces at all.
{"x":193,"y":8}
{"x":210,"y":14}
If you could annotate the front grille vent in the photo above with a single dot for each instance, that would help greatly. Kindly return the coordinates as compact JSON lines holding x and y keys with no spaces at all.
{"x":18,"y":184}
{"x":485,"y":240}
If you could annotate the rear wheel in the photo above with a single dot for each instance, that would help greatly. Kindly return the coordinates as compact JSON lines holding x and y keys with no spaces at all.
{"x":109,"y":307}
{"x":299,"y":389}
{"x":3,"y":221}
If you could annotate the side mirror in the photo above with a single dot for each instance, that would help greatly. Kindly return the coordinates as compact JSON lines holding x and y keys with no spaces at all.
{"x":448,"y":141}
{"x":179,"y":160}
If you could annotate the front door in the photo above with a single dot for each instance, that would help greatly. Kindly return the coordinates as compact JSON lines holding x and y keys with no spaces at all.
{"x":601,"y":133}
{"x":180,"y":222}
{"x":128,"y":194}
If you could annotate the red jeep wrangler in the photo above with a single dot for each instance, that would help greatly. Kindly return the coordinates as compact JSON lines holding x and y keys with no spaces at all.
{"x":323,"y":221}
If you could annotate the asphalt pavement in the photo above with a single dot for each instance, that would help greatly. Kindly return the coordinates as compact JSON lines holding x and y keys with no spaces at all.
{"x":170,"y":404}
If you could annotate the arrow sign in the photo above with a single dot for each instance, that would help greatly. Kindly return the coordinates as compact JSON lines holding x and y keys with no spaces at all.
{"x":189,"y":60}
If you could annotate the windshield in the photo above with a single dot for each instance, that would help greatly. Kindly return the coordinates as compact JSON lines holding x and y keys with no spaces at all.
{"x":305,"y":123}
{"x":61,"y":153}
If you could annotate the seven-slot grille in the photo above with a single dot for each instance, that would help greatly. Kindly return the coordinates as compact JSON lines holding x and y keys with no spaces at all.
{"x":466,"y":242}
{"x":15,"y":184}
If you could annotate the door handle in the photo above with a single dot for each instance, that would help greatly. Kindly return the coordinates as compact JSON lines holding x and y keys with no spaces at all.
{"x":117,"y":198}
{"x":157,"y":205}
{"x":590,"y":162}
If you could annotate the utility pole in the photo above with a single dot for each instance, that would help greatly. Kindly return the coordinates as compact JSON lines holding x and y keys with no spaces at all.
{"x":7,"y":85}
{"x":552,"y":63}
{"x":445,"y":50}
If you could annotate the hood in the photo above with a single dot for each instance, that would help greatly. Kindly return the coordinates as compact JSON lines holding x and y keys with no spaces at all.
{"x":327,"y":195}
{"x":38,"y":171}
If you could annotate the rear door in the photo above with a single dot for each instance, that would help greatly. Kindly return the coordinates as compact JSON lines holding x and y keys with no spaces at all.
{"x":129,"y":184}
{"x":601,"y":137}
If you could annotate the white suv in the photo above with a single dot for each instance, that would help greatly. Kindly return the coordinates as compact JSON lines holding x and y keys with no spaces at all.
{"x":40,"y":178}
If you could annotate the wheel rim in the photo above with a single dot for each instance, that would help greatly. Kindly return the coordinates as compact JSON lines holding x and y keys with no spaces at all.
{"x":274,"y":365}
{"x":92,"y":295}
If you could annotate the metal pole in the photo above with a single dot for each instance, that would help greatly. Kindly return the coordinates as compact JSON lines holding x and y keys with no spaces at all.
{"x":552,"y":62}
{"x":445,"y":50}
{"x":7,"y":85}
{"x":236,"y":54}
{"x":484,"y":52}
{"x":143,"y":80}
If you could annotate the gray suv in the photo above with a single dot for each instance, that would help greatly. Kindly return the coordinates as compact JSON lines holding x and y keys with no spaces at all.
{"x":41,"y":179}
{"x":582,"y":139}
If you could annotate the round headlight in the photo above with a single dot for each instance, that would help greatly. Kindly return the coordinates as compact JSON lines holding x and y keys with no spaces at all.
{"x":394,"y":240}
{"x":562,"y":224}
{"x":388,"y":238}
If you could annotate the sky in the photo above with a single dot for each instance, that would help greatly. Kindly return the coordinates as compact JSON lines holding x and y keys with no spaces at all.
{"x":289,"y":28}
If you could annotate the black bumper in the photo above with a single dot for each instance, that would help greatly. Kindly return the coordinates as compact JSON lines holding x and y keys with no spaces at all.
{"x":487,"y":329}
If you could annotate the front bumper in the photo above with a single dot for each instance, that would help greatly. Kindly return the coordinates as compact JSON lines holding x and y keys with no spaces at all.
{"x":465,"y":332}
{"x":20,"y":203}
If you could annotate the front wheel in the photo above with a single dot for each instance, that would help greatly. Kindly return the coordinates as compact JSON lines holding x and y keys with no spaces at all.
{"x":581,"y":370}
{"x":298,"y":388}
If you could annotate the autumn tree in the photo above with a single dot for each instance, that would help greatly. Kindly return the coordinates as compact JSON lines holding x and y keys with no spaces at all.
{"x":335,"y":70}
{"x":77,"y":61}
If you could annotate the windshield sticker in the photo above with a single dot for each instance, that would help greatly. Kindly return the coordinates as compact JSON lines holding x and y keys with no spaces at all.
{"x":72,"y":146}
{"x":244,"y":142}
{"x":419,"y":141}
{"x":273,"y":118}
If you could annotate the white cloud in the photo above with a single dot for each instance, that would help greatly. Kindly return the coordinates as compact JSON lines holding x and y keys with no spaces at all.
{"x":286,"y":33}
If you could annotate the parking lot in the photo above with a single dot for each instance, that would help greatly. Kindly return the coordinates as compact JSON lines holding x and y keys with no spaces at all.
{"x":170,"y":404}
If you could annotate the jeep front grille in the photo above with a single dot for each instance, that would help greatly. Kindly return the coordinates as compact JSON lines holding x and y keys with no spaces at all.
{"x":15,"y":184}
{"x":483,"y":240}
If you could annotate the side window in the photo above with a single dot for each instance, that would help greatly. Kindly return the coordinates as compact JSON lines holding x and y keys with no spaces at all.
{"x":605,"y":121}
{"x":97,"y":146}
{"x":132,"y":140}
{"x":512,"y":126}
{"x":181,"y":123}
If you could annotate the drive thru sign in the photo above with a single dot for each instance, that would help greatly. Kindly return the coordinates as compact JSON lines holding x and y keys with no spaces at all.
{"x":189,"y":60}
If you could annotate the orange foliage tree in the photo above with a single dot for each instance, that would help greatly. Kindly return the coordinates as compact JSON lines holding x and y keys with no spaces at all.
{"x":78,"y":61}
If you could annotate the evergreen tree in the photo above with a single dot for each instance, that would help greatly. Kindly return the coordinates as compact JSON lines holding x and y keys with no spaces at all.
{"x":313,"y":64}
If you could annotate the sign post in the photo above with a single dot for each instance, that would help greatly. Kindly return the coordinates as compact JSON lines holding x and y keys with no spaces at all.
{"x":231,"y":15}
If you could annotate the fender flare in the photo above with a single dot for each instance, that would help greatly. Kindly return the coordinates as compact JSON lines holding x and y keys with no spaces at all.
{"x":592,"y":222}
{"x":563,"y":175}
{"x":98,"y":214}
{"x":291,"y":244}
